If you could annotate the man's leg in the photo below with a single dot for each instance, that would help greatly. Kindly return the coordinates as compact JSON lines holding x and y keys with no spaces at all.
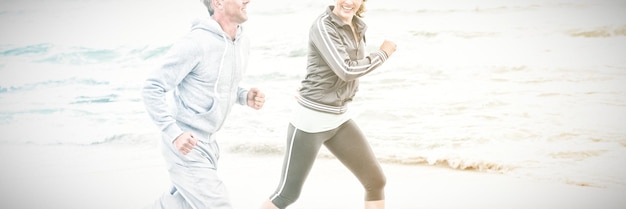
{"x":195,"y":179}
{"x":200,"y":188}
{"x":170,"y":199}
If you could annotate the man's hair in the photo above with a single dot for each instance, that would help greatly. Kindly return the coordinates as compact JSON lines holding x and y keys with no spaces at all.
{"x":208,"y":5}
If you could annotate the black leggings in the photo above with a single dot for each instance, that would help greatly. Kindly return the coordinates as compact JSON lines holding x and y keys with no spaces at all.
{"x":346,"y":142}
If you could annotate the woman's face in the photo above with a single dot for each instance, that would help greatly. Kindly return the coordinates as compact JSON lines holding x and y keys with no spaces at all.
{"x":346,"y":9}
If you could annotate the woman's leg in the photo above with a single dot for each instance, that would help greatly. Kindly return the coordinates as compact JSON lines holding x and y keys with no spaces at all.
{"x":300,"y":154}
{"x":352,"y":149}
{"x":378,"y":204}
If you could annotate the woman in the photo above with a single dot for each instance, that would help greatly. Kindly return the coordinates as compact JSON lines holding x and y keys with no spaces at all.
{"x":336,"y":59}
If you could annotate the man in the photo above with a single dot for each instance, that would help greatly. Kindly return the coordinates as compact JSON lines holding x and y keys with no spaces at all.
{"x":202,"y":71}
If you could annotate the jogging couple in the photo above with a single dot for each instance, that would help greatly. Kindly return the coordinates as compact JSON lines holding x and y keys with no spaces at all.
{"x":191,"y":93}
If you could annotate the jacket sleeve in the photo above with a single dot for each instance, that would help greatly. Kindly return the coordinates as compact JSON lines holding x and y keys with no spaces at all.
{"x":242,"y":96}
{"x":178,"y":62}
{"x":328,"y":42}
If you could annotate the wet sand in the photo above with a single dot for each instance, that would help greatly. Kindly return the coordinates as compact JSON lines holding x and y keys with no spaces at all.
{"x":132,"y":177}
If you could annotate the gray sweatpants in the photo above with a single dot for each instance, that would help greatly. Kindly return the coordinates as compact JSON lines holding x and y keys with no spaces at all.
{"x":194,"y":178}
{"x":347,"y":143}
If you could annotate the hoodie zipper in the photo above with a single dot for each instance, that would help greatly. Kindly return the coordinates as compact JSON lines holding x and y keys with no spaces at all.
{"x":236,"y":67}
{"x":217,"y":84}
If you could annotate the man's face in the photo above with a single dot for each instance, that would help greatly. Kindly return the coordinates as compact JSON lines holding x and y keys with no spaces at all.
{"x":236,"y":10}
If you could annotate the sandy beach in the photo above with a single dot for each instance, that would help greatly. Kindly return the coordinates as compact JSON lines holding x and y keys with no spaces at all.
{"x":106,"y":177}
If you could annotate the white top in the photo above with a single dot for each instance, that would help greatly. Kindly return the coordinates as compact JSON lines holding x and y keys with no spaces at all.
{"x":312,"y":121}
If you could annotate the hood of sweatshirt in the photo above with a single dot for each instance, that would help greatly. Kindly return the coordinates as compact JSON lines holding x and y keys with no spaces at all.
{"x":209,"y":24}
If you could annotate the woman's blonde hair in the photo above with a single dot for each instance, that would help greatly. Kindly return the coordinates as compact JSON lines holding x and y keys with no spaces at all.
{"x":359,"y":13}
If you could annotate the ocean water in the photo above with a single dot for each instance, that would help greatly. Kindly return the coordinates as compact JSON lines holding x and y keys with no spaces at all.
{"x":535,"y":89}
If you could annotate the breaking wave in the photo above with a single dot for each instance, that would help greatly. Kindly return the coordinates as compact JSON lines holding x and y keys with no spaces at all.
{"x":601,"y":32}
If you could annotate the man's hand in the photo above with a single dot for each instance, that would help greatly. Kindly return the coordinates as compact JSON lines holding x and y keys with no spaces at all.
{"x":256,"y":98}
{"x":185,"y":143}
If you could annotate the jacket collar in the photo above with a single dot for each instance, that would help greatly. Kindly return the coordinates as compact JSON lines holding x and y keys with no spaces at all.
{"x":360,"y":25}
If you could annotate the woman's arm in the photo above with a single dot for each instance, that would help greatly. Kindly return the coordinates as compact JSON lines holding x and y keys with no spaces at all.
{"x":328,"y":42}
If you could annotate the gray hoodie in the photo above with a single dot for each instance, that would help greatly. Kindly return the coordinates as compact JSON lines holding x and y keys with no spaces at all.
{"x":203,"y":70}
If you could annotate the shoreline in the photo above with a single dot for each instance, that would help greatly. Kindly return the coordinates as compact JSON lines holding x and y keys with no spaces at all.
{"x":119,"y":176}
